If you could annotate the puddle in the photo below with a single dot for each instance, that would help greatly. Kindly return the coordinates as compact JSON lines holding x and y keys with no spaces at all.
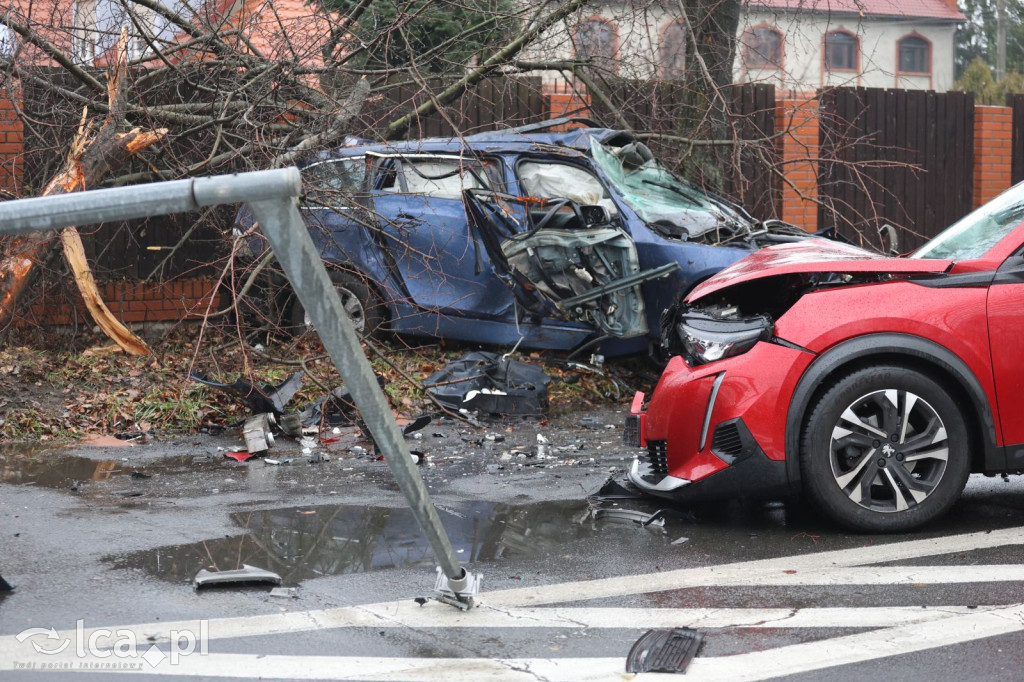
{"x":300,"y":543}
{"x":32,"y":464}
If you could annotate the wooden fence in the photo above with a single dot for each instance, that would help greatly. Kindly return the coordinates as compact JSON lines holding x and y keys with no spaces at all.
{"x":903,"y":157}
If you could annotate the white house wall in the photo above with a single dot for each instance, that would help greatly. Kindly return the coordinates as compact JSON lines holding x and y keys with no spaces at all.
{"x":802,"y":48}
{"x":640,"y":28}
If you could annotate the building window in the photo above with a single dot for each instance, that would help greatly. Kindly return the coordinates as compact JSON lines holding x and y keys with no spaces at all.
{"x":914,"y":54}
{"x":762,"y":48}
{"x":841,"y":51}
{"x":596,"y":41}
{"x":673,"y":51}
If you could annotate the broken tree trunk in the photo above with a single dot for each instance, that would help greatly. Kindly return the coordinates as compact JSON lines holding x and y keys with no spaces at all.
{"x":87,"y":163}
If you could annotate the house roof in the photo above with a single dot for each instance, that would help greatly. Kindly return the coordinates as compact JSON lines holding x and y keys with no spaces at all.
{"x":927,"y":9}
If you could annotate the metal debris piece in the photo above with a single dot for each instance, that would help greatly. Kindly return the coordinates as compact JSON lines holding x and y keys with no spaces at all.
{"x":257,"y":434}
{"x":644,"y":519}
{"x":491,"y":384}
{"x":285,"y":592}
{"x":664,"y":651}
{"x":277,"y":462}
{"x":680,"y":541}
{"x":240,"y":576}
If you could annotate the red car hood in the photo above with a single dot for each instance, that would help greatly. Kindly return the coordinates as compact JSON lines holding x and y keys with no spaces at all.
{"x":813,"y":255}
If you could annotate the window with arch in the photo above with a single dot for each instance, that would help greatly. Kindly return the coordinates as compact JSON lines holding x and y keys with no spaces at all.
{"x":673,"y":51}
{"x":842,"y":51}
{"x":762,"y":48}
{"x":596,"y":40}
{"x":914,"y":55}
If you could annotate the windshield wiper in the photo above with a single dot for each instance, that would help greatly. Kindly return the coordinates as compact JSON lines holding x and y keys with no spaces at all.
{"x":692,"y":196}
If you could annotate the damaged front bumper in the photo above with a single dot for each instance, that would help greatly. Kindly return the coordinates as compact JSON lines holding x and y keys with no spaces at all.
{"x":716,"y":431}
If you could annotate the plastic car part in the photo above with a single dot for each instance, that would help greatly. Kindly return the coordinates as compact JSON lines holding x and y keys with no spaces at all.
{"x":492,"y":384}
{"x":664,"y":651}
{"x":257,"y":433}
{"x":459,"y":593}
{"x":268,"y":399}
{"x":246,"y":575}
{"x":5,"y":586}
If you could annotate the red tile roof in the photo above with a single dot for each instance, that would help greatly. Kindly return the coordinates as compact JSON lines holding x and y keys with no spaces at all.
{"x":929,"y":9}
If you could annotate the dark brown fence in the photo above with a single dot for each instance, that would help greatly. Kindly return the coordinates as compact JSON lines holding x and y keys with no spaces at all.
{"x":902,"y":157}
{"x":492,"y":103}
{"x":669,"y":114}
{"x":1016,"y":103}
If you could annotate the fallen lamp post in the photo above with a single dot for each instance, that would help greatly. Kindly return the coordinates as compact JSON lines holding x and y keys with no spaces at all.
{"x":272,"y":197}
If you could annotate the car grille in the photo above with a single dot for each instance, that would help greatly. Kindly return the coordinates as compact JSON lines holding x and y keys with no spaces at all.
{"x":657,"y":457}
{"x":727,"y":440}
{"x":631,"y":432}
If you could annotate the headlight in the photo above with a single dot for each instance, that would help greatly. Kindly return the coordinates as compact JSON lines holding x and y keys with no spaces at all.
{"x":707,"y":339}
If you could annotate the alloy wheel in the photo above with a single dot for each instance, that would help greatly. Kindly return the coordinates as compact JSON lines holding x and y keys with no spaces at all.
{"x":889,"y":450}
{"x":353,"y":307}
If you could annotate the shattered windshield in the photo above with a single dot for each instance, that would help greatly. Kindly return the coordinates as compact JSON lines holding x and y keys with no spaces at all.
{"x":977,"y":232}
{"x":657,"y":196}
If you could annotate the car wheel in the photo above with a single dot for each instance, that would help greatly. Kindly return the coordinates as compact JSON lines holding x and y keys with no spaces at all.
{"x":359,"y":300}
{"x":885,"y":450}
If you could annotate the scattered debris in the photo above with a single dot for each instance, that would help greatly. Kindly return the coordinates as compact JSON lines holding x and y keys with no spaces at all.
{"x":238,"y":456}
{"x":613,"y":490}
{"x":277,"y":462}
{"x":5,"y":586}
{"x":257,"y":434}
{"x":680,"y":541}
{"x":655,"y":519}
{"x":285,"y":592}
{"x":664,"y":651}
{"x":268,"y":399}
{"x":417,"y":424}
{"x":491,"y":384}
{"x":542,"y":446}
{"x":246,"y":575}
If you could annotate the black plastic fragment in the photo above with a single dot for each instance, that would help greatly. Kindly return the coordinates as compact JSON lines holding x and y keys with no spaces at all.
{"x":5,"y":586}
{"x":613,"y":490}
{"x":664,"y":651}
{"x":491,"y":384}
{"x":268,"y":399}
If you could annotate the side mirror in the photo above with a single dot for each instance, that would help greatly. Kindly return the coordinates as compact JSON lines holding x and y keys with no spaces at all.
{"x":890,"y":239}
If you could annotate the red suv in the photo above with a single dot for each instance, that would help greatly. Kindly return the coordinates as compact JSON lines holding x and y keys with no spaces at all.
{"x":873,"y":385}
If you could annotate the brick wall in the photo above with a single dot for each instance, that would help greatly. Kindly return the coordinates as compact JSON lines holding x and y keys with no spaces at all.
{"x":12,"y":144}
{"x":993,"y":152}
{"x":137,"y":303}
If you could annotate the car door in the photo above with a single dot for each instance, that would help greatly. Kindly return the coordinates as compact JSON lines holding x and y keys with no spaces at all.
{"x":336,"y":209}
{"x":417,"y":203}
{"x":1006,"y":322}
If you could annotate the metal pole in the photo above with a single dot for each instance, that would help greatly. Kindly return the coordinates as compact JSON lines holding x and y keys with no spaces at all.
{"x":140,"y":201}
{"x":283,"y":226}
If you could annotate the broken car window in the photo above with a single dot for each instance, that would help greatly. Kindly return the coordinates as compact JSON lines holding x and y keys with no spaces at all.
{"x":440,"y":178}
{"x":655,"y":194}
{"x":333,"y":182}
{"x":977,"y":232}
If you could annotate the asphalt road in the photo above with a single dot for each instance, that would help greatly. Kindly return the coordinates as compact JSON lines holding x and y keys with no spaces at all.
{"x":112,"y":537}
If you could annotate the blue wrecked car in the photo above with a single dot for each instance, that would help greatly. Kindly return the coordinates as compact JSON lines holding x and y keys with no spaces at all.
{"x":546,"y":240}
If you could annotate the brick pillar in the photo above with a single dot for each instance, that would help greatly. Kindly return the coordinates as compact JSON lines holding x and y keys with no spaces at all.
{"x":563,"y":100}
{"x":12,"y":146}
{"x":993,"y":151}
{"x":798,"y":151}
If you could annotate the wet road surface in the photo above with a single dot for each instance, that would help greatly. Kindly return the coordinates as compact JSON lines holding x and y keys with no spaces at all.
{"x":113,"y":537}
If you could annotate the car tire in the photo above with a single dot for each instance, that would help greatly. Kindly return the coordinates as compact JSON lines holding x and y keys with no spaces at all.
{"x":360,"y":300}
{"x":885,"y":449}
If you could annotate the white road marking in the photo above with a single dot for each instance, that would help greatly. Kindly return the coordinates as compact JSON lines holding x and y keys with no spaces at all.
{"x":759,"y":665}
{"x":917,"y":629}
